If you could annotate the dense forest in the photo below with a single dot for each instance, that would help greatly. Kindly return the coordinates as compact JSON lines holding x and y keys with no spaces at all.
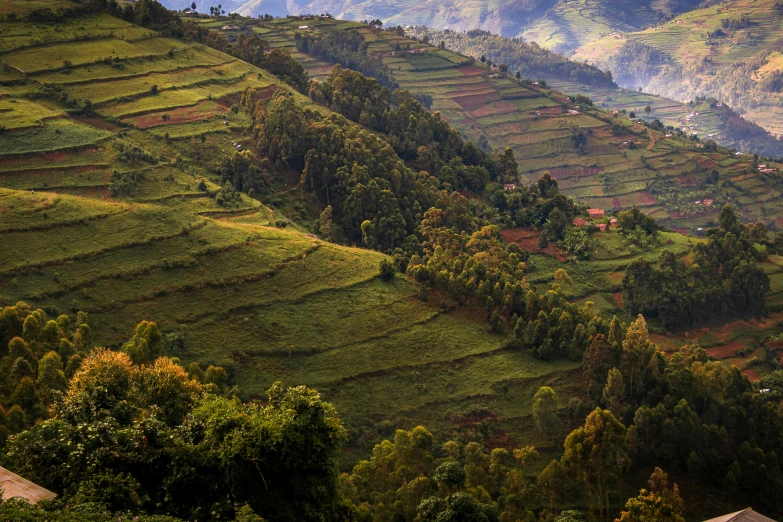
{"x":527,"y":58}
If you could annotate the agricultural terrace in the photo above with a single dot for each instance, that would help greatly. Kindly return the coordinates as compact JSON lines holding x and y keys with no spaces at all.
{"x":578,"y":22}
{"x":117,"y":213}
{"x":620,"y":164}
{"x":704,"y":41}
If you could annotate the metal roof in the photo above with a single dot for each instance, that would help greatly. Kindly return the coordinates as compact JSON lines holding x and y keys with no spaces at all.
{"x":746,"y":515}
{"x":14,"y":486}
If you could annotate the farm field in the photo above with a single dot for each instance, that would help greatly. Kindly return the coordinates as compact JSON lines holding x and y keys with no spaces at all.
{"x":495,"y":109}
{"x":697,"y":56}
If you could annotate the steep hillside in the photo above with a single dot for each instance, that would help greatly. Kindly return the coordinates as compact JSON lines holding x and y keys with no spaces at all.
{"x":715,"y":119}
{"x":111,"y":203}
{"x":730,"y":51}
{"x":586,"y":148}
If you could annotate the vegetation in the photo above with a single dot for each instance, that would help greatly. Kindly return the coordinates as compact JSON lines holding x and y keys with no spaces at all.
{"x":186,"y":238}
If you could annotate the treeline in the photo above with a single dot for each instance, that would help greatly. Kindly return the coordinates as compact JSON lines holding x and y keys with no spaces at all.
{"x":722,"y":282}
{"x":530,"y":60}
{"x":698,"y":419}
{"x":375,"y":198}
{"x":349,"y":49}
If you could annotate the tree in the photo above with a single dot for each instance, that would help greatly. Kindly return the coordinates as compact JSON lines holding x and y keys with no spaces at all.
{"x":636,"y":355}
{"x":596,"y":454}
{"x":599,"y":358}
{"x":450,"y":475}
{"x":25,"y":395}
{"x":51,"y":377}
{"x":614,"y":393}
{"x":551,"y":482}
{"x":647,"y":110}
{"x":387,"y":270}
{"x":146,"y":345}
{"x":659,"y":504}
{"x":545,"y":412}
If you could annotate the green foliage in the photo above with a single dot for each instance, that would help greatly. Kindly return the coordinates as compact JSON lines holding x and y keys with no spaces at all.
{"x":723,"y":281}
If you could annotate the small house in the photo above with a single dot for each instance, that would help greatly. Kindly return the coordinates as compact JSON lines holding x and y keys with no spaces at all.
{"x":668,"y":136}
{"x":509,"y":186}
{"x":601,"y":227}
{"x":708,"y":202}
{"x":595,"y":213}
{"x":613,"y":222}
{"x":303,"y":27}
{"x":746,"y":515}
{"x":14,"y":486}
{"x":579,"y":222}
{"x":763,"y":166}
{"x":573,"y":112}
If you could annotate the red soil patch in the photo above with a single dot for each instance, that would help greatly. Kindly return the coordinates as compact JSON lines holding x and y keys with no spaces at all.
{"x":708,"y":163}
{"x":474,"y":101}
{"x":493,"y":109}
{"x":645,"y":198}
{"x":228,"y":101}
{"x":686,"y":180}
{"x":616,"y":203}
{"x":199,"y":112}
{"x":527,"y":240}
{"x":470,"y":71}
{"x":750,"y":374}
{"x":551,"y":111}
{"x":618,"y":298}
{"x":97,"y":123}
{"x":725,"y":351}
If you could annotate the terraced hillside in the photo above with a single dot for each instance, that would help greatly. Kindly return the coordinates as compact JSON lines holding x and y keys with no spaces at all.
{"x":730,"y":51}
{"x":715,"y":119}
{"x":664,"y":175}
{"x":117,"y":212}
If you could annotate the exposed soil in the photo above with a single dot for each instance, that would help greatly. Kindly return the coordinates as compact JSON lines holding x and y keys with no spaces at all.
{"x":618,"y":298}
{"x":527,"y":240}
{"x":725,"y":351}
{"x":470,"y":71}
{"x":475,"y":101}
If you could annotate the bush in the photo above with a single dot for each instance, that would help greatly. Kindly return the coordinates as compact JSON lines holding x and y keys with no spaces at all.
{"x":387,"y":270}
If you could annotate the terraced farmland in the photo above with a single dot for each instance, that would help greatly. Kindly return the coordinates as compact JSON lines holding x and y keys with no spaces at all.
{"x":703,"y":54}
{"x":106,"y":213}
{"x":663,"y":175}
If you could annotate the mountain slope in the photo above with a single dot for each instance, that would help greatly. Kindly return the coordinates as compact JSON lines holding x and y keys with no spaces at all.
{"x":730,"y":51}
{"x":665,"y":176}
{"x":114,"y":207}
{"x":565,"y":24}
{"x":715,"y":119}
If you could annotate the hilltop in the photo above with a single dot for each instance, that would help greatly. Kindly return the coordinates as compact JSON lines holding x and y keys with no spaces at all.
{"x":601,"y":158}
{"x":730,"y":51}
{"x":708,"y":117}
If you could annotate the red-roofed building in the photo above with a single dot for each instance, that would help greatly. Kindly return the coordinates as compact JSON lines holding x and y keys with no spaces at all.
{"x":579,"y":222}
{"x":613,"y":222}
{"x":601,"y":227}
{"x":595,"y":213}
{"x":509,"y":186}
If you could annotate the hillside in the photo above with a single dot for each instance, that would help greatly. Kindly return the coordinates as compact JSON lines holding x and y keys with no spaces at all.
{"x":664,"y":175}
{"x":110,"y":204}
{"x":730,"y":51}
{"x":715,"y":119}
{"x":562,"y":24}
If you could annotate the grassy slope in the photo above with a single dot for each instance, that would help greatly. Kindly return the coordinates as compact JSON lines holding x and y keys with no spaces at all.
{"x":683,"y":41}
{"x":504,"y":111}
{"x":240,"y":289}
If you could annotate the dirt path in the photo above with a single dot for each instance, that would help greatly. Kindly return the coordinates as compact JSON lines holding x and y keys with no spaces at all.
{"x":651,"y":146}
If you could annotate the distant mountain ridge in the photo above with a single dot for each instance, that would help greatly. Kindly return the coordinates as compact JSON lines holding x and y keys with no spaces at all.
{"x":566,"y":24}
